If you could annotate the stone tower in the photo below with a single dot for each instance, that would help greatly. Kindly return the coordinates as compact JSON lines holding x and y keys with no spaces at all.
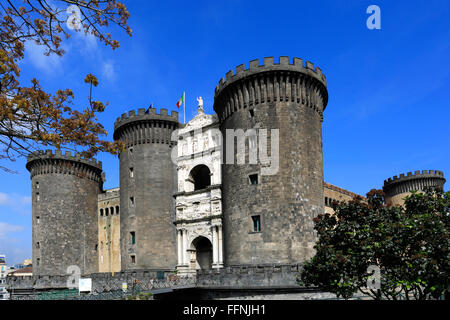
{"x":147,"y":186}
{"x":397,"y":188}
{"x":268,"y":218}
{"x":64,"y":201}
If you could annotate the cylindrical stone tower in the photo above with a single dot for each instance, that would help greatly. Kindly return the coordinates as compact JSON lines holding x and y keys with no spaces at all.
{"x":269,"y":218}
{"x":147,"y":186}
{"x":397,"y":188}
{"x":64,"y":200}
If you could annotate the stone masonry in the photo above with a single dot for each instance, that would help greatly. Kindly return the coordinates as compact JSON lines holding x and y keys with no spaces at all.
{"x":291,"y":98}
{"x":64,"y":202}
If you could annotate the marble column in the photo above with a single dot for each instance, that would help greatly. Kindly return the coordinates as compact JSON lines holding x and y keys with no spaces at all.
{"x":184,"y":253}
{"x":179,"y":247}
{"x":220,"y":244}
{"x":215,"y":246}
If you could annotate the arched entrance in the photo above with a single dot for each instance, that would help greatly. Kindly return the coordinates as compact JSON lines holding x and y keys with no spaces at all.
{"x":203,"y":253}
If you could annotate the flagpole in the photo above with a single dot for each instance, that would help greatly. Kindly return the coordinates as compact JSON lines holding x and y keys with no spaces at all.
{"x":184,"y":107}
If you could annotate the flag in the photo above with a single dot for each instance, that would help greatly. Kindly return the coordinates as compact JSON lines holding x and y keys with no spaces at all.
{"x":181,"y":101}
{"x":148,"y":110}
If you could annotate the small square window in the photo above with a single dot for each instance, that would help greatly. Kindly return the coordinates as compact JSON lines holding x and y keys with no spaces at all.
{"x":253,"y":179}
{"x":256,"y":223}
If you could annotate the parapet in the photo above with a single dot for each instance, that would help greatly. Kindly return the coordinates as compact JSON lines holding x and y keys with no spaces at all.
{"x":413,"y":181}
{"x":109,"y":194}
{"x":269,"y":65}
{"x":132,"y":116}
{"x":417,"y":174}
{"x":68,"y":156}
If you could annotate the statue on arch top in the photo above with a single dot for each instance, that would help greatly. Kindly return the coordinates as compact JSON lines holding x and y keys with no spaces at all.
{"x":200,"y":105}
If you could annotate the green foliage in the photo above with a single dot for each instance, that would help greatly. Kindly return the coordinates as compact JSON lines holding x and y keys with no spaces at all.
{"x":409,"y":244}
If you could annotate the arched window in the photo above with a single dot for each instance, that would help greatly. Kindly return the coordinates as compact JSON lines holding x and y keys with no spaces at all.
{"x":101,"y":212}
{"x":106,"y":212}
{"x":117,"y":209}
{"x":112,"y":210}
{"x":200,"y":176}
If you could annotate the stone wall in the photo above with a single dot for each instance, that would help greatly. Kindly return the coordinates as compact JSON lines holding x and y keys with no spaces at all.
{"x":64,"y":212}
{"x":109,"y":231}
{"x":147,"y":184}
{"x":290,"y":98}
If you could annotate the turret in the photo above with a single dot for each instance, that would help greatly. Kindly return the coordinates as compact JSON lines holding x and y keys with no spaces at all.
{"x":268,"y":207}
{"x":147,"y":186}
{"x":64,"y":211}
{"x":398,"y":187}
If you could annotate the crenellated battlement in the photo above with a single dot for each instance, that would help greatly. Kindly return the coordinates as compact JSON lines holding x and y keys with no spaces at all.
{"x":417,"y":174}
{"x":142,"y":116}
{"x":269,"y":64}
{"x":296,"y":82}
{"x":419,"y":180}
{"x":67,"y":155}
{"x":140,"y":128}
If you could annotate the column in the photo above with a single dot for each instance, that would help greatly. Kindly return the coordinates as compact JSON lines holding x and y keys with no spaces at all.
{"x":220,"y":245}
{"x":184,"y":253}
{"x":179,"y":247}
{"x":214,"y":245}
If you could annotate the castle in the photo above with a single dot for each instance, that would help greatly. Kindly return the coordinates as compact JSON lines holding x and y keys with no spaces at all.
{"x":181,"y":205}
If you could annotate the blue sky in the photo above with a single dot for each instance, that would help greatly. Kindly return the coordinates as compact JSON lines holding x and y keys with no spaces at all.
{"x":388,"y":89}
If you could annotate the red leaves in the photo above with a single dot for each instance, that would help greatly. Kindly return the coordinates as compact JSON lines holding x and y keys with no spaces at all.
{"x":30,"y":116}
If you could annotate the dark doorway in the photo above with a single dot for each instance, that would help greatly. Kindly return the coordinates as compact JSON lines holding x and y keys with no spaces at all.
{"x":201,"y":176}
{"x":203,"y":252}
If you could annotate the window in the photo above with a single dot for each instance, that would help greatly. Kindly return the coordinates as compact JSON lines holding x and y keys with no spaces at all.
{"x":200,"y":176}
{"x":131,"y":172}
{"x":37,"y":196}
{"x":117,"y":209}
{"x":96,"y":247}
{"x":101,"y":212}
{"x":38,"y":245}
{"x":256,"y":223}
{"x":253,"y":178}
{"x":106,"y":212}
{"x":132,"y":202}
{"x":133,"y":237}
{"x":133,"y":259}
{"x":112,"y":210}
{"x":37,"y":185}
{"x":38,"y":261}
{"x":252,"y":112}
{"x":38,"y":219}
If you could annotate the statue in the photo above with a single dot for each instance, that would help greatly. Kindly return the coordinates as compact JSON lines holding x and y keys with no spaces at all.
{"x":200,"y":105}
